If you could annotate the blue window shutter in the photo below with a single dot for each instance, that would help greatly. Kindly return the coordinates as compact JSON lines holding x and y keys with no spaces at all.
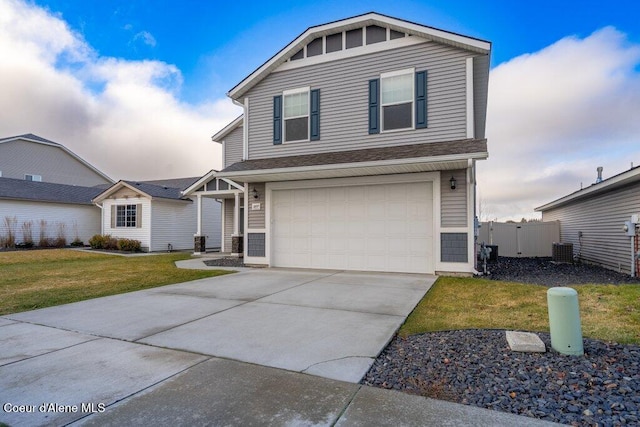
{"x":277,"y":119}
{"x":315,"y":115}
{"x":374,"y":106}
{"x":421,"y":99}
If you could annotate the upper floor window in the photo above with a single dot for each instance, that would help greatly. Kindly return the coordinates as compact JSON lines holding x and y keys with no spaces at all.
{"x":398,"y":101}
{"x":397,"y":94}
{"x":296,"y":115}
{"x":30,"y":177}
{"x":127,"y":216}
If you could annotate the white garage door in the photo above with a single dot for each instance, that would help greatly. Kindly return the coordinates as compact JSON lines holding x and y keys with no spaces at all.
{"x":385,"y":227}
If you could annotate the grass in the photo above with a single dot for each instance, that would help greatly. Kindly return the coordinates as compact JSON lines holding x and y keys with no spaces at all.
{"x":607,"y":312}
{"x":44,"y":278}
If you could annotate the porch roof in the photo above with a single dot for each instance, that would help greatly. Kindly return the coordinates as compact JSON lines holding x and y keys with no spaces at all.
{"x":373,"y":161}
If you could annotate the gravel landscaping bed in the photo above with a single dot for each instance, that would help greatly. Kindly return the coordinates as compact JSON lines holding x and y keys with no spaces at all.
{"x":225,"y":262}
{"x":476,"y":367}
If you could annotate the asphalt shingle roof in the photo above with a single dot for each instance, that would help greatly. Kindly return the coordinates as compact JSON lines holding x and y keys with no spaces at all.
{"x":19,"y":189}
{"x":29,"y":136}
{"x":432,"y":149}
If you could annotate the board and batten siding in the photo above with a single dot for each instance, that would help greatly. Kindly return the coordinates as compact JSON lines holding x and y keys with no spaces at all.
{"x":453,"y":203}
{"x":344,"y":89}
{"x":233,"y":147}
{"x":600,"y":219}
{"x":142,"y":233}
{"x":19,"y":157}
{"x":257,"y":217}
{"x":228,"y":223}
{"x":81,"y":221}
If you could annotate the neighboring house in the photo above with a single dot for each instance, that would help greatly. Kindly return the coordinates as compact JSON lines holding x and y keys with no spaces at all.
{"x":52,"y":210}
{"x":356,"y":150}
{"x":157,"y":214}
{"x":44,"y":184}
{"x":33,"y":158}
{"x":593,"y":220}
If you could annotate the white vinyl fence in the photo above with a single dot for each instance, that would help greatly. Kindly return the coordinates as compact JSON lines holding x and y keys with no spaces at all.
{"x":523,"y":239}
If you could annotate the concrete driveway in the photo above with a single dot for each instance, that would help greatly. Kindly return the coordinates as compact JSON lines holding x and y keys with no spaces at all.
{"x":325,"y":323}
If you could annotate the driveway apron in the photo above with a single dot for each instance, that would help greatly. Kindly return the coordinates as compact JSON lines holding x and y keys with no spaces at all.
{"x":97,"y":352}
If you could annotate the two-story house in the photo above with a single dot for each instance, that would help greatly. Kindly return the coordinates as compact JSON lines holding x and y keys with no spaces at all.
{"x":356,"y":150}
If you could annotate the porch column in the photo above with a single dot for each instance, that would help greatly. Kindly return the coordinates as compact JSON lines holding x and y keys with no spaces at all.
{"x":199,"y":241}
{"x":236,"y":238}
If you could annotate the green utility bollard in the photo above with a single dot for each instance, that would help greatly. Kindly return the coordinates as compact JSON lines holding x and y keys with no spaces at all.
{"x":564,"y":321}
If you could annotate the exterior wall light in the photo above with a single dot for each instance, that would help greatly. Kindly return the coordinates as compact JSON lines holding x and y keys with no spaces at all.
{"x":452,"y":181}
{"x":255,"y":193}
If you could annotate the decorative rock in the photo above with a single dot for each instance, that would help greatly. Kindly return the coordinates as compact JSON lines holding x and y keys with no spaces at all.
{"x":525,"y":342}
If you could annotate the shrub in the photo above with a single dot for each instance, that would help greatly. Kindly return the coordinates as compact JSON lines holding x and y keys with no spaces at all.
{"x":77,"y":242}
{"x":130,"y":245}
{"x":61,"y":240}
{"x":27,"y":234}
{"x":10,"y":223}
{"x":97,"y":241}
{"x":110,"y":242}
{"x":44,"y":241}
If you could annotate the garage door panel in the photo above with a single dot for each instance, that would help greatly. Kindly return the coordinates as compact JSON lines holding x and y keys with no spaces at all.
{"x":385,"y":227}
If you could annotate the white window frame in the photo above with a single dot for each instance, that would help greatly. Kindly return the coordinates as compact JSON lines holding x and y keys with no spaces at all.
{"x":285,"y":93}
{"x":34,"y":178}
{"x":412,"y":72}
{"x":125,"y":207}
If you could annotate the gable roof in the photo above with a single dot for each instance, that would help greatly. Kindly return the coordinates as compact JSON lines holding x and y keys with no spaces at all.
{"x":222,"y":133}
{"x":19,"y":189}
{"x":39,"y":140}
{"x":622,"y":179}
{"x":372,"y":18}
{"x":169,"y":189}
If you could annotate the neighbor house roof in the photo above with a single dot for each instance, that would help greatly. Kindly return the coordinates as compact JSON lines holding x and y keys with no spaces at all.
{"x":411,"y":28}
{"x":625,"y":178}
{"x":398,"y":159}
{"x":19,"y":189}
{"x":159,"y":189}
{"x":39,"y":140}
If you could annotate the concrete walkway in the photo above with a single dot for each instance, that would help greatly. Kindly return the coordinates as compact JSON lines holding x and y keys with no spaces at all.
{"x":206,"y":352}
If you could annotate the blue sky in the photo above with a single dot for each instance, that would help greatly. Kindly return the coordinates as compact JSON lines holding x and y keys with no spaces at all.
{"x":215,"y":44}
{"x":137,"y":88}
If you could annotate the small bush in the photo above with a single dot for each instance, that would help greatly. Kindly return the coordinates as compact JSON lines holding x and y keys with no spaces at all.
{"x":129,"y":245}
{"x":10,"y":224}
{"x":77,"y":242}
{"x":110,"y":242}
{"x":27,"y":234}
{"x":97,"y":241}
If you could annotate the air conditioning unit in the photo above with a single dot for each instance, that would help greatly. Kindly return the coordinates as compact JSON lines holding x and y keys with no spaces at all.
{"x":562,"y":252}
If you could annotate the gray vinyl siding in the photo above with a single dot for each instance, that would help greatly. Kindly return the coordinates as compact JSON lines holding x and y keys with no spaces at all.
{"x":480,"y":90}
{"x":18,"y":158}
{"x":233,"y":146}
{"x":600,"y":219}
{"x":175,"y":222}
{"x":257,"y":218}
{"x":228,"y":223}
{"x":453,"y":203}
{"x":343,"y":88}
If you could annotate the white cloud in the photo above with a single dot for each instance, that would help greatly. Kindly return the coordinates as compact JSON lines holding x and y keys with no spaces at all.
{"x":146,"y":38}
{"x":554,"y":116}
{"x":124,"y":117}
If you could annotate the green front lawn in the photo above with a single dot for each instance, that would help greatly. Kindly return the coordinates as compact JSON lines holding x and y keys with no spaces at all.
{"x":607,"y":312}
{"x":43,"y":278}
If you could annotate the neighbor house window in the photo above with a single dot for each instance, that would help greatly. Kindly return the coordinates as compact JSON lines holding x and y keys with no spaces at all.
{"x":127,"y":216}
{"x":296,"y":115}
{"x":397,"y":94}
{"x":33,"y":178}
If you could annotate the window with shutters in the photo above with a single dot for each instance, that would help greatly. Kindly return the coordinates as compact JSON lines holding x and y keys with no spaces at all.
{"x":296,"y":115}
{"x":396,"y":100}
{"x":127,"y":216}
